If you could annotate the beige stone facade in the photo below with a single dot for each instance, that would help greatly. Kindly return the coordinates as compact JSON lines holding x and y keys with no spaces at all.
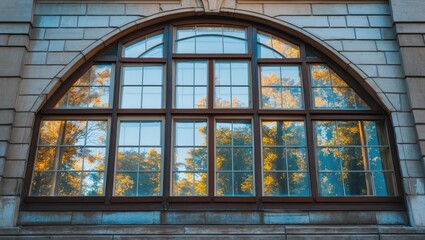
{"x":380,"y":43}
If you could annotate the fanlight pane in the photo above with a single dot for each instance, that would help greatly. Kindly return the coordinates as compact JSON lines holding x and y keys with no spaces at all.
{"x":92,"y":90}
{"x":150,"y":46}
{"x":211,"y":39}
{"x":330,"y":91}
{"x":70,"y":158}
{"x":270,"y":46}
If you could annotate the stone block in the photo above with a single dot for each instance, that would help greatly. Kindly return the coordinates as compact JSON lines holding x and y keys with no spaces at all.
{"x":392,"y":71}
{"x":306,"y":21}
{"x":25,"y":103}
{"x":337,"y":21}
{"x":368,"y":33}
{"x":421,"y":131}
{"x":232,"y":218}
{"x":411,"y":40}
{"x":119,"y":21}
{"x":406,"y":119}
{"x":252,"y":230}
{"x":414,"y":186}
{"x":41,"y":71}
{"x":253,"y":7}
{"x":37,"y":45}
{"x":131,"y":217}
{"x":69,"y":21}
{"x":183,"y":218}
{"x":2,"y":164}
{"x":5,"y":131}
{"x":286,"y":9}
{"x":46,"y":21}
{"x":342,"y":217}
{"x":331,"y":230}
{"x":60,"y":9}
{"x":380,"y":21}
{"x":17,"y":151}
{"x":337,"y":45}
{"x":77,"y":45}
{"x":61,"y":57}
{"x":10,"y":187}
{"x":86,"y":218}
{"x":416,"y":209}
{"x":11,"y":61}
{"x":413,"y":58}
{"x":21,"y":135}
{"x":93,"y":21}
{"x":36,"y":58}
{"x":18,"y":40}
{"x":9,"y":88}
{"x":105,"y":9}
{"x":329,"y":9}
{"x":69,"y":33}
{"x":33,"y":86}
{"x":418,"y":114}
{"x":332,"y":237}
{"x":96,"y":33}
{"x":408,"y":134}
{"x":23,"y":119}
{"x":393,"y":57}
{"x":9,"y":207}
{"x":286,"y":218}
{"x":369,"y":9}
{"x":37,"y":33}
{"x":408,"y":10}
{"x":402,"y":237}
{"x":370,"y":70}
{"x":415,"y":168}
{"x":413,"y":28}
{"x":56,"y":45}
{"x":416,"y":89}
{"x":3,"y":148}
{"x":44,"y":218}
{"x":391,"y":85}
{"x":388,"y":45}
{"x":14,"y":169}
{"x":388,"y":33}
{"x":332,"y":33}
{"x":6,"y":116}
{"x":357,"y":21}
{"x":4,"y":40}
{"x":365,"y":57}
{"x":16,"y":11}
{"x":359,"y":45}
{"x":141,"y":9}
{"x":408,"y":151}
{"x":14,"y":28}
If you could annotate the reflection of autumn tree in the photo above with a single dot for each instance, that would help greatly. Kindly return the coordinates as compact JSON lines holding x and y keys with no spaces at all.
{"x":274,"y":95}
{"x":64,"y":166}
{"x":90,"y":90}
{"x":285,"y":48}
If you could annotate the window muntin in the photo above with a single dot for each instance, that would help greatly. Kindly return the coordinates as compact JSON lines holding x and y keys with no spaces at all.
{"x":190,"y":160}
{"x":91,"y":90}
{"x":70,"y":158}
{"x":211,"y":39}
{"x":353,"y":159}
{"x":270,"y":46}
{"x":150,"y":46}
{"x":330,"y":91}
{"x":234,"y":158}
{"x":138,"y":163}
{"x":249,"y":79}
{"x":231,"y":84}
{"x":285,"y":165}
{"x":191,"y":84}
{"x":281,"y":87}
{"x":142,"y":86}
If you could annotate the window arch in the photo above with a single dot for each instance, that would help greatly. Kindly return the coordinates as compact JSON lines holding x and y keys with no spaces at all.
{"x":208,"y":113}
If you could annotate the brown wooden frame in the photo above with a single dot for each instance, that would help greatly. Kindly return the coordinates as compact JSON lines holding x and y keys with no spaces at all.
{"x":211,"y":202}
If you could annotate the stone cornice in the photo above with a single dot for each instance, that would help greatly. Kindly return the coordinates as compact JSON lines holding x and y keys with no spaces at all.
{"x":312,"y":1}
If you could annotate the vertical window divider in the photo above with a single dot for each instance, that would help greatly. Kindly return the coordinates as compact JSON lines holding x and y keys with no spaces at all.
{"x":210,"y":85}
{"x":309,"y":124}
{"x":168,"y":43}
{"x":211,"y":157}
{"x":110,"y":172}
{"x":252,"y":46}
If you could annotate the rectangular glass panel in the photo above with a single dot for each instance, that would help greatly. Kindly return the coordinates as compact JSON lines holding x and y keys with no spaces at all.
{"x":191,"y":85}
{"x":131,"y":97}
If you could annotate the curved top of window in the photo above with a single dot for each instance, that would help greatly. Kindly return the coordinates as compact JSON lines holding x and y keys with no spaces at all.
{"x":211,"y":39}
{"x":270,"y":46}
{"x":150,"y":46}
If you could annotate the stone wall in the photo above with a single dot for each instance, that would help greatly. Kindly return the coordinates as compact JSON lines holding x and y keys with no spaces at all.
{"x":360,"y":36}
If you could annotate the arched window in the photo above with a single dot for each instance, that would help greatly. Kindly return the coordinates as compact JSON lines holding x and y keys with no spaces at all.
{"x":210,"y":113}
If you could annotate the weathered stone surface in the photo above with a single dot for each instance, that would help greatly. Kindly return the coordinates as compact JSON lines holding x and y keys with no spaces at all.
{"x":86,"y":218}
{"x":9,"y":207}
{"x":337,"y":21}
{"x":368,"y":33}
{"x":411,"y":40}
{"x":105,"y":9}
{"x":41,"y":71}
{"x":61,"y":57}
{"x":417,"y":211}
{"x":413,"y":58}
{"x":258,"y":8}
{"x":183,"y":218}
{"x":69,"y":33}
{"x":37,"y":45}
{"x":130,"y":218}
{"x":60,"y":9}
{"x":392,"y":71}
{"x":393,"y":57}
{"x":286,"y":9}
{"x":20,"y":135}
{"x":380,"y":21}
{"x":342,"y":217}
{"x":96,"y":33}
{"x":11,"y":61}
{"x":366,"y":57}
{"x":356,"y":45}
{"x":6,"y":116}
{"x":18,"y":40}
{"x":286,"y":218}
{"x":326,"y":237}
{"x":329,"y":9}
{"x":33,"y":86}
{"x":10,"y":187}
{"x":5,"y":132}
{"x":389,"y":45}
{"x":416,"y":91}
{"x":16,"y":11}
{"x":232,"y":218}
{"x":17,"y":151}
{"x":46,"y":21}
{"x":44,"y":218}
{"x":69,"y":21}
{"x":408,"y":10}
{"x":357,"y":21}
{"x":14,"y":28}
{"x":332,"y":34}
{"x":56,"y":45}
{"x":306,"y":21}
{"x":118,"y":21}
{"x":93,"y":21}
{"x":368,"y":9}
{"x":384,"y":217}
{"x":141,"y":9}
{"x":9,"y":88}
{"x":391,"y":85}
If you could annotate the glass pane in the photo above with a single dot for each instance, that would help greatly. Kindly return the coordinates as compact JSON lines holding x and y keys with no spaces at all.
{"x":275,"y":184}
{"x":150,"y":133}
{"x":344,"y":98}
{"x":285,"y":48}
{"x":209,"y":44}
{"x":328,"y":159}
{"x":45,"y":158}
{"x":224,"y":184}
{"x":71,"y":158}
{"x":326,"y":134}
{"x":265,"y":52}
{"x":70,"y":183}
{"x":379,"y":159}
{"x":222,"y":97}
{"x":292,"y":98}
{"x":125,"y":184}
{"x":150,"y":159}
{"x":242,"y":134}
{"x":224,"y":158}
{"x":42,"y":184}
{"x":129,"y":134}
{"x":239,"y":73}
{"x":49,"y":132}
{"x":96,"y":133}
{"x":184,"y":97}
{"x":352,"y":159}
{"x":201,"y":73}
{"x":297,"y":159}
{"x":132,"y":75}
{"x":274,"y":159}
{"x":127,"y":159}
{"x":184,"y":32}
{"x":356,"y":183}
{"x":223,"y":134}
{"x":94,"y":159}
{"x":190,"y":184}
{"x":185,"y":46}
{"x":242,"y":158}
{"x":152,"y":97}
{"x":349,"y":133}
{"x":185,"y":73}
{"x":78,"y":96}
{"x":244,"y":185}
{"x":200,"y":134}
{"x":222,"y":74}
{"x":299,"y":184}
{"x":291,"y":76}
{"x":320,"y":75}
{"x":384,"y":183}
{"x":271,"y":97}
{"x":331,"y":184}
{"x":184,"y":134}
{"x":235,"y":46}
{"x":273,"y":133}
{"x":156,"y":52}
{"x":152,"y":75}
{"x":149,"y":184}
{"x":270,"y":76}
{"x":200,"y":98}
{"x":99,"y":97}
{"x":92,"y":184}
{"x":75,"y":133}
{"x":131,"y":97}
{"x":294,"y":133}
{"x":240,"y":97}
{"x":141,"y":46}
{"x":323,"y":98}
